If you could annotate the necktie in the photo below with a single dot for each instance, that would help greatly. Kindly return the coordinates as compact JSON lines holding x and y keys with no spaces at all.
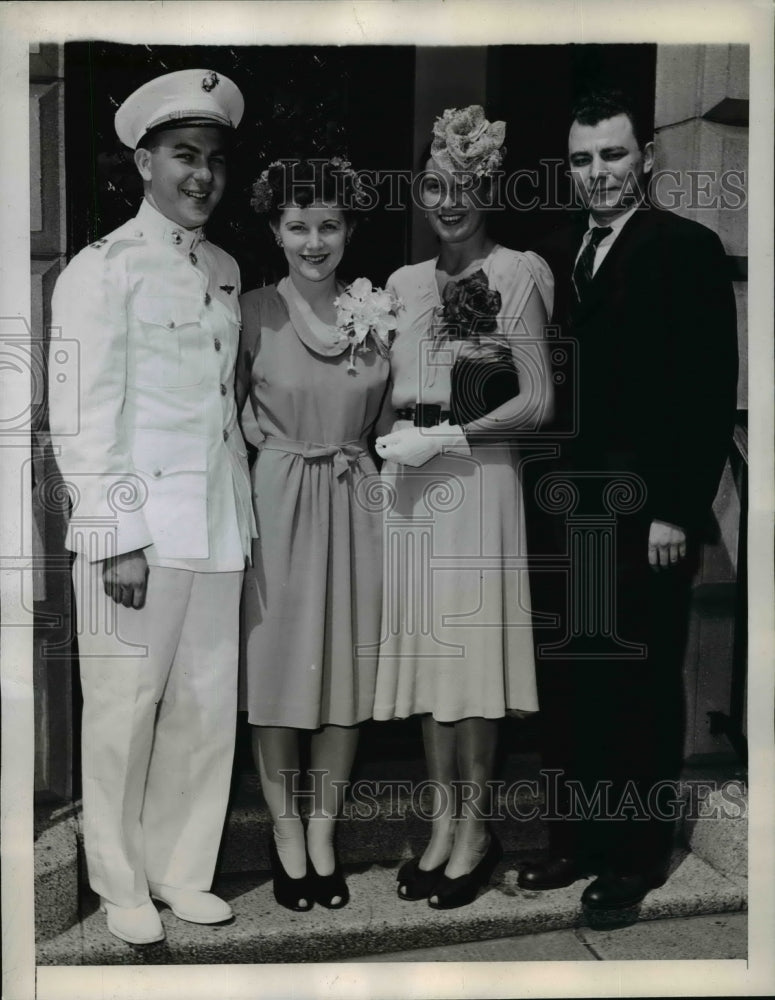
{"x":582,"y":272}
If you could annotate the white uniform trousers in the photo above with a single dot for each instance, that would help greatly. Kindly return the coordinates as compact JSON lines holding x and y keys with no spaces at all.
{"x":158,"y":728}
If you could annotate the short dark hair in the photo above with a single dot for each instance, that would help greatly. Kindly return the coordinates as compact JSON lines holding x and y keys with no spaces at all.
{"x":300,"y":183}
{"x":149,"y":141}
{"x":597,"y":104}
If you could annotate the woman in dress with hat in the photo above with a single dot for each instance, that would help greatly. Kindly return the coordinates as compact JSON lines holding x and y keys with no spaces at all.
{"x":457,"y":641}
{"x":313,"y":596}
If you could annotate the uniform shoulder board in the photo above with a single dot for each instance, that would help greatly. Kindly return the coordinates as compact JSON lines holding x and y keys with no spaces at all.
{"x":129,"y":232}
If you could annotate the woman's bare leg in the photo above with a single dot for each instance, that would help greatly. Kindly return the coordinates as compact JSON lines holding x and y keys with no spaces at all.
{"x":331,"y":760}
{"x":476,"y":745}
{"x":276,"y":753}
{"x":439,"y":740}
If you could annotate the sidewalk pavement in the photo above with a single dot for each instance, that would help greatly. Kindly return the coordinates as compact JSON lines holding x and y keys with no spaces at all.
{"x":715,"y":936}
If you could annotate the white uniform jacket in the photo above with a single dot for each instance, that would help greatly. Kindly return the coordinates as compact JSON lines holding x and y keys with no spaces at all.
{"x":154,"y":457}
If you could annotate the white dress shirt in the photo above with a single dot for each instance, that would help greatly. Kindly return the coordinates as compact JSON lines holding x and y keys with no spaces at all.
{"x":608,"y":241}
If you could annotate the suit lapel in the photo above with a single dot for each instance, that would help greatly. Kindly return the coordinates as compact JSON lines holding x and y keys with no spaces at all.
{"x":561,"y":256}
{"x":634,"y":231}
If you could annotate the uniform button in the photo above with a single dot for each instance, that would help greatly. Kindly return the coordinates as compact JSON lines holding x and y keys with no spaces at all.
{"x":225,"y":435}
{"x":208,"y":300}
{"x":217,"y":344}
{"x":171,"y":324}
{"x":177,"y":238}
{"x":157,"y":473}
{"x":223,"y":389}
{"x":138,"y":232}
{"x":192,"y":258}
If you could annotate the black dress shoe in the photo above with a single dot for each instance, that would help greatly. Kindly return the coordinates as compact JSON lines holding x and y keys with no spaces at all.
{"x":326,"y":888}
{"x":615,"y":891}
{"x":554,"y":873}
{"x":453,"y":892}
{"x":292,"y":893}
{"x":416,"y":883}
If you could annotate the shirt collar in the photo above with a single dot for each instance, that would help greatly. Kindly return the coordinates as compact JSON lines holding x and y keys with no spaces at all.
{"x":151,"y":223}
{"x":616,"y":224}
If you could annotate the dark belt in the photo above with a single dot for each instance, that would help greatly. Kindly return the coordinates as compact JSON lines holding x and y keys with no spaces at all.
{"x":423,"y":414}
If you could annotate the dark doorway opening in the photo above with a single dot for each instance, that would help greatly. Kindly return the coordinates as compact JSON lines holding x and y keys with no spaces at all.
{"x":299,"y":101}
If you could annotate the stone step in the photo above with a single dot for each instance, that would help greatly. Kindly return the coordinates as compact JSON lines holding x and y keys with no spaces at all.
{"x":394,"y":829}
{"x":377,"y":922}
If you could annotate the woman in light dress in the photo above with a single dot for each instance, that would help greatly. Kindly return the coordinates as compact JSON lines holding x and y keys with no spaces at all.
{"x":313,"y":595}
{"x":456,"y":634}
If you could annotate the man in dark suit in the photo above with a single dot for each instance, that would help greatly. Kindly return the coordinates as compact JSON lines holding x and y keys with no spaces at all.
{"x":646,"y":295}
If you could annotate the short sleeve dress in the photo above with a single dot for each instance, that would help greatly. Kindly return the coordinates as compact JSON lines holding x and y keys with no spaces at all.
{"x":456,"y":633}
{"x":312,"y":599}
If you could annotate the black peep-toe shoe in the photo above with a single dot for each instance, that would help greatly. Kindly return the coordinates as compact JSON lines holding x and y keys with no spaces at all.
{"x":326,"y":888}
{"x":289,"y":892}
{"x":453,"y":892}
{"x":416,"y":883}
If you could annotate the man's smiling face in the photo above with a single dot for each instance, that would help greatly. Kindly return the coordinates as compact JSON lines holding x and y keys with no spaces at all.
{"x":607,"y":166}
{"x":184,"y":173}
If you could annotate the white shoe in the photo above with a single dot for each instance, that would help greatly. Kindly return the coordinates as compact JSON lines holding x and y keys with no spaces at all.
{"x":192,"y":904}
{"x":134,"y":924}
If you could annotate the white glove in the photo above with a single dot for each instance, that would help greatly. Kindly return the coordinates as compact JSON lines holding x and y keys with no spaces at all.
{"x":415,"y":446}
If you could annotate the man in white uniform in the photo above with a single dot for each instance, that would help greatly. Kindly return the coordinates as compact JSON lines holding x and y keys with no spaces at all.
{"x":162,"y":520}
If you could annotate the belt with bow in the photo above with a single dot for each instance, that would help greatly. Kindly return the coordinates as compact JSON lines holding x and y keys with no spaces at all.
{"x":344,"y":455}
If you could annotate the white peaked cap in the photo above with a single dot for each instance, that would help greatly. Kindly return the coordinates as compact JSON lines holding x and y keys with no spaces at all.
{"x":176,"y":100}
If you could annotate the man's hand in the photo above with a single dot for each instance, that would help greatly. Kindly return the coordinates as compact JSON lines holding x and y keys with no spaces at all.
{"x":667,"y":545}
{"x":126,"y":578}
{"x":415,"y":446}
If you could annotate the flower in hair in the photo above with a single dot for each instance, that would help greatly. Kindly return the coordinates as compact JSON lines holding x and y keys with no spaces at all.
{"x":263,"y":192}
{"x":463,"y":140}
{"x":345,"y":169}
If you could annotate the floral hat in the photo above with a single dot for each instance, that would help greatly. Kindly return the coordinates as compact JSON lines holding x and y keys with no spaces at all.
{"x":463,"y":140}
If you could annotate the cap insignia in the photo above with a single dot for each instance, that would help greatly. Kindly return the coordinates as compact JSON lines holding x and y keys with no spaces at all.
{"x":210,"y":82}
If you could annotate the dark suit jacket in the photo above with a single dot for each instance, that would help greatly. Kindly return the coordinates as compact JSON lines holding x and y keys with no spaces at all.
{"x":655,"y":386}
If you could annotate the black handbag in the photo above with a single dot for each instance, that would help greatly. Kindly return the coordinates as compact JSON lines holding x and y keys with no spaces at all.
{"x":480,"y":384}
